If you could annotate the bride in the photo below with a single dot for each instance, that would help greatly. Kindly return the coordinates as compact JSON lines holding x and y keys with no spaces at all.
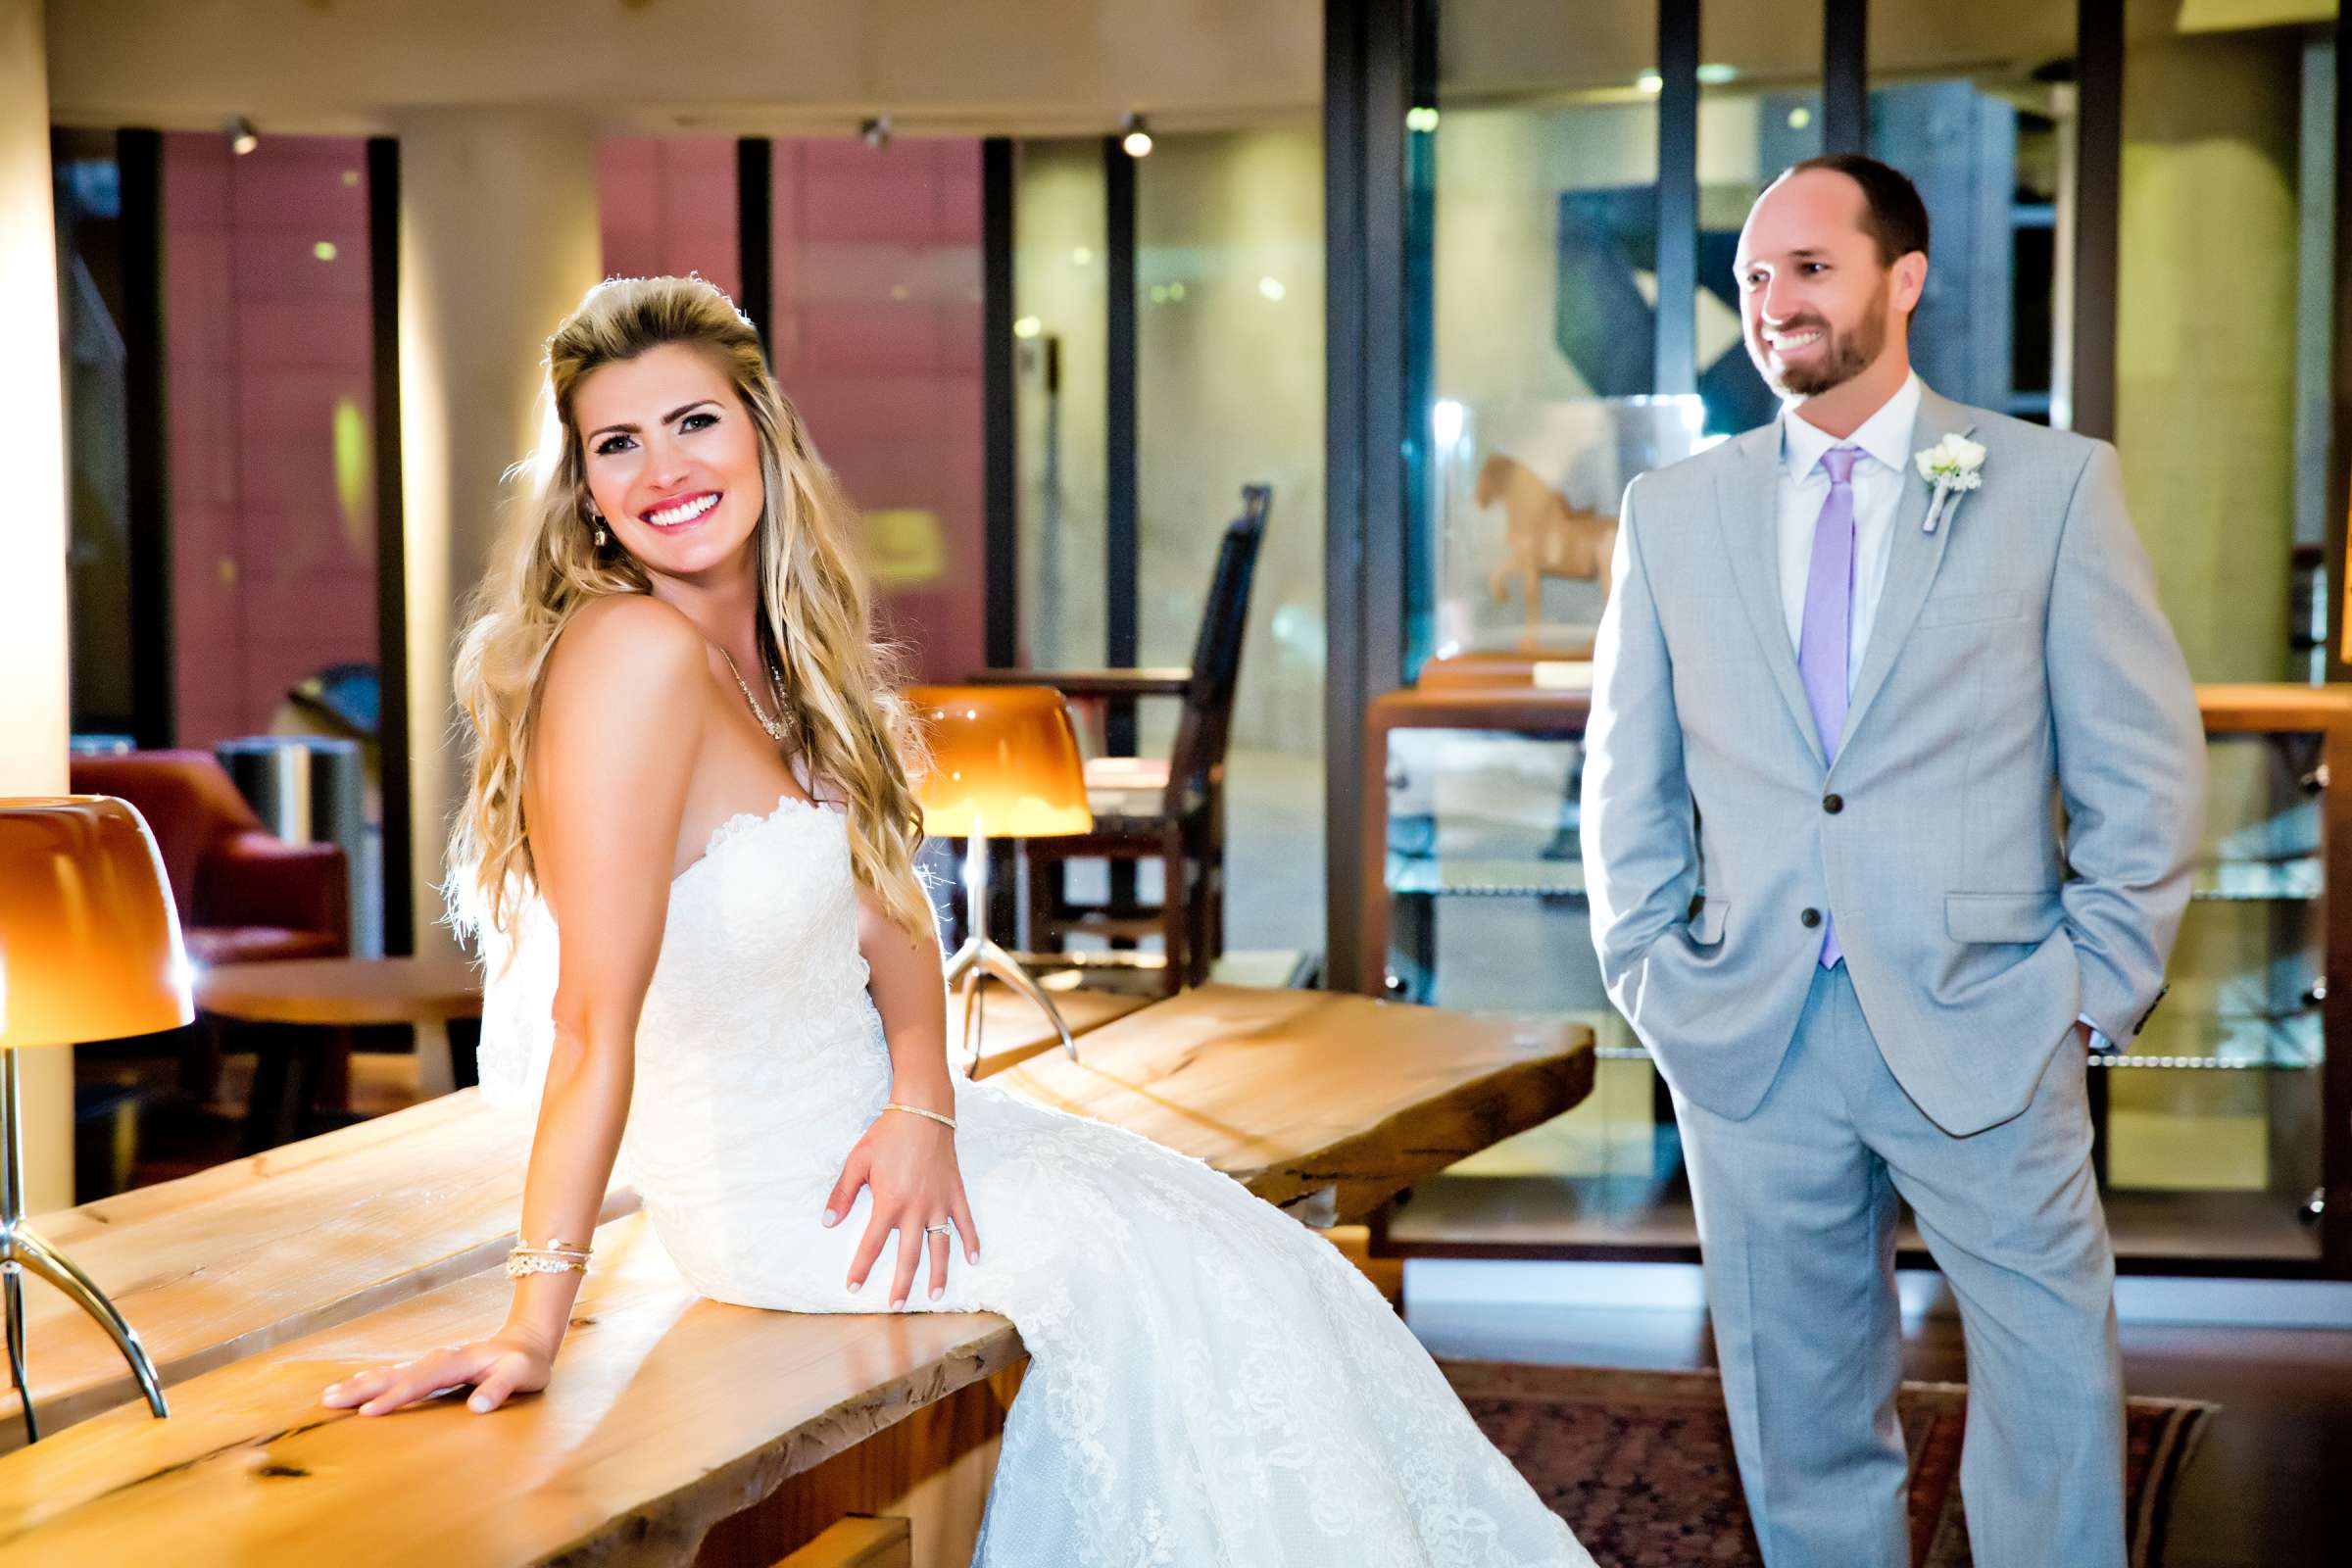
{"x":689,"y":842}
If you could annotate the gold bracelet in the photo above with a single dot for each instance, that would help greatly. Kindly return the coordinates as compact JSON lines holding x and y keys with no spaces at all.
{"x":519,"y":1263}
{"x":949,"y":1122}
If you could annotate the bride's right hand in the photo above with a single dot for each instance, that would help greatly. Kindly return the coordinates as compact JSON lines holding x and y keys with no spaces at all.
{"x":497,"y":1367}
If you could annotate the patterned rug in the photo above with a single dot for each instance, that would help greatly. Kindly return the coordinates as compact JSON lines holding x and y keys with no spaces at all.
{"x":1639,"y":1464}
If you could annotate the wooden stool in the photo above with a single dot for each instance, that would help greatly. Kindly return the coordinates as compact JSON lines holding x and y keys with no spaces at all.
{"x":858,"y":1541}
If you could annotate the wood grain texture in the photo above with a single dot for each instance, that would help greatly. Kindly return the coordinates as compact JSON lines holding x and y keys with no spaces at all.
{"x":228,"y":1261}
{"x":1013,"y":1029}
{"x":257,"y":1251}
{"x":667,"y":1413}
{"x":1314,"y":1100}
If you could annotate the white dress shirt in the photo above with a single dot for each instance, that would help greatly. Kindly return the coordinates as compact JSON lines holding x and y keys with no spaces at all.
{"x":1804,"y":486}
{"x":1885,"y":442}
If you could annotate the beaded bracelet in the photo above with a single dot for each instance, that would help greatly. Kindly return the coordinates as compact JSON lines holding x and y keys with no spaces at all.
{"x":553,"y":1258}
{"x":949,"y":1122}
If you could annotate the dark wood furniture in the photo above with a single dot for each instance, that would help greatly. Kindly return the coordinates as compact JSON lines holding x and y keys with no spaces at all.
{"x":303,"y":1013}
{"x":2278,"y":1031}
{"x":1172,"y":812}
{"x":677,"y":1430}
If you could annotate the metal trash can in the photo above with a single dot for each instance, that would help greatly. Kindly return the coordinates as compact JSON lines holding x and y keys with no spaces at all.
{"x":307,"y":789}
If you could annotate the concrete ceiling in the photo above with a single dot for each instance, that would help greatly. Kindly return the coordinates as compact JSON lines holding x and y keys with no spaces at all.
{"x":956,"y":67}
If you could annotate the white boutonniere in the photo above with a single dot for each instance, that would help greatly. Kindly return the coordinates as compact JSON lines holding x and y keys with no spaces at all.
{"x":1953,"y":466}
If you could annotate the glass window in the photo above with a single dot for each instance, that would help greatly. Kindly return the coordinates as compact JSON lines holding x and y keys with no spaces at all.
{"x":98,"y":559}
{"x":1230,"y":368}
{"x":1060,"y":322}
{"x":1986,"y":132}
{"x":1759,"y":111}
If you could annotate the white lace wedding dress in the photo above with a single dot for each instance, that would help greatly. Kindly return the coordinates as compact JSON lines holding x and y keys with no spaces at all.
{"x":1210,"y":1383}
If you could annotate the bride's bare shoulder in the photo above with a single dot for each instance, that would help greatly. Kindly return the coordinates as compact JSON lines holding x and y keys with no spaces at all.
{"x":626,"y":645}
{"x":621,"y":673}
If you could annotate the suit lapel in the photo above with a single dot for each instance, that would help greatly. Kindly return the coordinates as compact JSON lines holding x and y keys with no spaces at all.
{"x":1747,"y":512}
{"x":1912,"y":558}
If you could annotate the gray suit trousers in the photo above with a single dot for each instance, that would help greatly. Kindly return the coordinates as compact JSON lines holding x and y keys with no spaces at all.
{"x":1796,"y":1214}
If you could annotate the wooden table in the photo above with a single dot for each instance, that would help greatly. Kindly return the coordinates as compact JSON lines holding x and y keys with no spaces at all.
{"x":310,"y":1007}
{"x":668,"y":1413}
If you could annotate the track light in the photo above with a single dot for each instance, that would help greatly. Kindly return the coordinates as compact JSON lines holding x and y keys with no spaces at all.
{"x":875,"y":132}
{"x":1136,"y":139}
{"x":242,"y":137}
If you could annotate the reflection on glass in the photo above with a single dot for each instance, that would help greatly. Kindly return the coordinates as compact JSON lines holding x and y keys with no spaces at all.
{"x":89,"y":211}
{"x":1759,"y":111}
{"x":1229,"y":391}
{"x":1540,"y":230}
{"x":1059,"y":274}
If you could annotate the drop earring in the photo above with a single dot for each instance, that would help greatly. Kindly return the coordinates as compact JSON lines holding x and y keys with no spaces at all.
{"x":602,"y":538}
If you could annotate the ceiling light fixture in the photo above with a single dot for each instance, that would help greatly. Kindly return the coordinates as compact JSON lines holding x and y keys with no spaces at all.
{"x":875,"y":132}
{"x":242,"y":137}
{"x":1135,"y":137}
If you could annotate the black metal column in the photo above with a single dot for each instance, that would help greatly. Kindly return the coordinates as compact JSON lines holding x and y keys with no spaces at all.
{"x":1000,"y":528}
{"x":755,"y":237}
{"x":391,"y":545}
{"x":1121,"y":546}
{"x":1845,"y":76}
{"x":147,"y":438}
{"x":2098,"y":200}
{"x":1367,"y":88}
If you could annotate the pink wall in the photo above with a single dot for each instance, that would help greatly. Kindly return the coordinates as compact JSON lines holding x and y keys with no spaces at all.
{"x":274,"y":575}
{"x":877,"y":341}
{"x":666,"y":206}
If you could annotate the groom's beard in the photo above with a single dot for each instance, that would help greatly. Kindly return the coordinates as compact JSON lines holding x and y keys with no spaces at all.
{"x":1848,"y":354}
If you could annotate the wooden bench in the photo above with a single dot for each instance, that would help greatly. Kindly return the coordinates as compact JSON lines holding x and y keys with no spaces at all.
{"x":669,"y":1414}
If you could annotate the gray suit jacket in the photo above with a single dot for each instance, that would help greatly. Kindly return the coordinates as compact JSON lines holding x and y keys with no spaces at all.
{"x":2019,"y":656}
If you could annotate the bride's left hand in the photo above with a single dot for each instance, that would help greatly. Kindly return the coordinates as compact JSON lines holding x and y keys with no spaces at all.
{"x":909,"y":1162}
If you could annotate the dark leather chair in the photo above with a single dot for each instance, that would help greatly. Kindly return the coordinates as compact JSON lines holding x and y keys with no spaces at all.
{"x":1144,"y":808}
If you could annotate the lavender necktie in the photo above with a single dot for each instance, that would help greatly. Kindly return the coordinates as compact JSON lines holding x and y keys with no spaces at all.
{"x":1823,"y":645}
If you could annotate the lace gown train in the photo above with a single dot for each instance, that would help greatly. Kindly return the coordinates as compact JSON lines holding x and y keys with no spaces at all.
{"x":1210,"y":1383}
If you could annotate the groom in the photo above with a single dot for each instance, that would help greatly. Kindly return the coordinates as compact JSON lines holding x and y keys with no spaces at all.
{"x":1890,"y":802}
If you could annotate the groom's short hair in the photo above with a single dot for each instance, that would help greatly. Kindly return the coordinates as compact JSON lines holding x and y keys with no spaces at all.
{"x":1891,"y":212}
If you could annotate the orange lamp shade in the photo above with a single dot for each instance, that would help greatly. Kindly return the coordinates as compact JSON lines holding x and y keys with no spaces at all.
{"x":90,"y":940}
{"x":1004,"y":763}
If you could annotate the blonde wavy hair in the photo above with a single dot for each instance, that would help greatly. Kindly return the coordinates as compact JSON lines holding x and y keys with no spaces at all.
{"x":844,"y":720}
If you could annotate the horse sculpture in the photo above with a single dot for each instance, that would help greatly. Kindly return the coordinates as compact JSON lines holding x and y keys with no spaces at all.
{"x":1544,"y":537}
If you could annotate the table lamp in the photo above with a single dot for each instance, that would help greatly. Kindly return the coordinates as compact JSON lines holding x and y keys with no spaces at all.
{"x":1003,"y":763}
{"x":89,"y":949}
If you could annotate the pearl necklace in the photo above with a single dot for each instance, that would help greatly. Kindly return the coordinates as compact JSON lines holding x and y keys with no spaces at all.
{"x":774,"y":727}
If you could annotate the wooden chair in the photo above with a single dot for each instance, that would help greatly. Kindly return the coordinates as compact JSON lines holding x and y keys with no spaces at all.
{"x":1146,"y":808}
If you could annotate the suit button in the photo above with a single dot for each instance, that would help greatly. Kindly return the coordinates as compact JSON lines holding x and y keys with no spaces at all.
{"x":1809,"y":919}
{"x":1833,"y":804}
